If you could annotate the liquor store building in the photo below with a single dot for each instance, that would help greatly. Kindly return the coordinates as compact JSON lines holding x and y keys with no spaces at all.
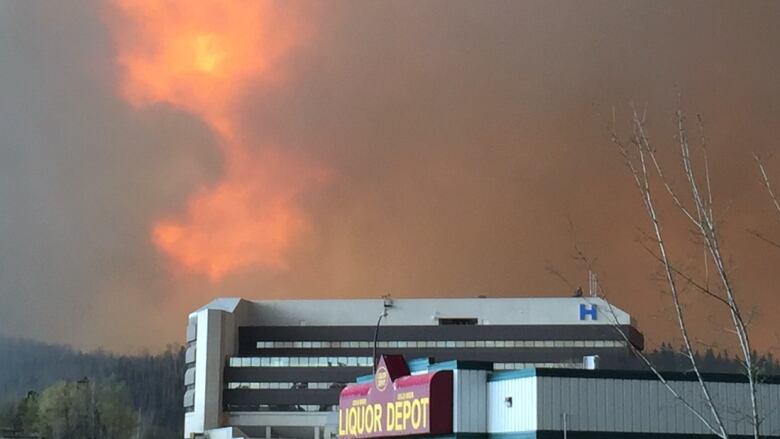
{"x":458,"y":399}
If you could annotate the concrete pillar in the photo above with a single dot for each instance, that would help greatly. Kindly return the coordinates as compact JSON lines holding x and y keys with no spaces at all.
{"x":316,"y":432}
{"x":215,"y":341}
{"x":267,"y":432}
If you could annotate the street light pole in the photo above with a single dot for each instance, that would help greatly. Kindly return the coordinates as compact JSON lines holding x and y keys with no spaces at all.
{"x":376,"y":336}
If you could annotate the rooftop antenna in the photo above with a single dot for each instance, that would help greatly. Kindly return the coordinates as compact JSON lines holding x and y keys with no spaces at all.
{"x":593,"y":284}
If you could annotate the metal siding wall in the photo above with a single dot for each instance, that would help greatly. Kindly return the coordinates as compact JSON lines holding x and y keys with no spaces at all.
{"x":643,"y":404}
{"x":522,"y":416}
{"x":545,"y":395}
{"x":466,"y":399}
{"x":621,"y":395}
{"x":480,"y":390}
{"x":602,"y":404}
{"x":473,"y":401}
{"x":470,"y":401}
{"x":677,"y":425}
{"x":692,"y":424}
{"x":631,"y":394}
{"x":496,"y":422}
{"x":654,"y":419}
{"x":478,"y":394}
{"x":773,"y":401}
{"x":637,"y":406}
{"x":457,"y":399}
{"x":591,"y":404}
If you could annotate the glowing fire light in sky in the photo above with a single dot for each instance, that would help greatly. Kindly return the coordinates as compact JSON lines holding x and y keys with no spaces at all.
{"x":200,"y":56}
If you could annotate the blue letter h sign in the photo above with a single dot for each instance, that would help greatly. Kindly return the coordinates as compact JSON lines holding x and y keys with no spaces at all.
{"x":585,"y":312}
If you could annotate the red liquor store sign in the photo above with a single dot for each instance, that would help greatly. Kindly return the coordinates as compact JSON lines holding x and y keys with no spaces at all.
{"x":396,"y":403}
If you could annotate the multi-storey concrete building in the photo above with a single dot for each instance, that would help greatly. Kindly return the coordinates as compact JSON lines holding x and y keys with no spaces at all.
{"x":275,"y":368}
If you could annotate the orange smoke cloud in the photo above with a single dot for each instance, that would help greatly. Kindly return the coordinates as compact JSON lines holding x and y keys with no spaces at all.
{"x":200,"y":56}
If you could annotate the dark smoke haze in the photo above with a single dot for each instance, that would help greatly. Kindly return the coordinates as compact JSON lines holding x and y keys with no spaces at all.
{"x":464,"y":140}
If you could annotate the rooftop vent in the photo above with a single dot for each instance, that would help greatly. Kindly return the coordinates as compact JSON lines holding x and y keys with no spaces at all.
{"x":590,"y":362}
{"x":458,"y":321}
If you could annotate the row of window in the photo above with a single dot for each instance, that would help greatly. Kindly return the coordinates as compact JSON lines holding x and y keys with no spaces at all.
{"x":443,"y":344}
{"x":514,"y":366}
{"x":317,"y":408}
{"x":300,"y":362}
{"x":284,"y":386}
{"x":356,"y":362}
{"x":281,"y":408}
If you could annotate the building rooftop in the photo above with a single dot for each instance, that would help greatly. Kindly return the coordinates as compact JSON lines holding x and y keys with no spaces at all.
{"x":413,"y":311}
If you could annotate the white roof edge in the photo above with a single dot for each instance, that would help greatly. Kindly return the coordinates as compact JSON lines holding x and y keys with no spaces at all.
{"x":415,"y":311}
{"x":228,"y":304}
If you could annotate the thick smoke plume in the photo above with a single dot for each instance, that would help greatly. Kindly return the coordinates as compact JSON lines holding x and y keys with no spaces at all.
{"x":155,"y":156}
{"x":201,"y":57}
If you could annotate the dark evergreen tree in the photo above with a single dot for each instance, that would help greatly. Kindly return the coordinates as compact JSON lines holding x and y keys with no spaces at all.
{"x":154,"y":381}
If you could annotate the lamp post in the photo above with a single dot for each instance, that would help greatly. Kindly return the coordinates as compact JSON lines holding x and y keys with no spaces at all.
{"x":376,"y":337}
{"x":388,"y":303}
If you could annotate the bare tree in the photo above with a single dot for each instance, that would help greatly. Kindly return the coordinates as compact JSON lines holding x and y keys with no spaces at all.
{"x":697,"y":207}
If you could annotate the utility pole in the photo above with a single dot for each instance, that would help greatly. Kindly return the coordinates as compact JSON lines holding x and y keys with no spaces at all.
{"x":387,"y":304}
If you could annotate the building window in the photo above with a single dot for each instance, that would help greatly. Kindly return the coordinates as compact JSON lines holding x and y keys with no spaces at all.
{"x":437,"y":344}
{"x":458,"y":321}
{"x":300,"y":361}
{"x":275,"y":385}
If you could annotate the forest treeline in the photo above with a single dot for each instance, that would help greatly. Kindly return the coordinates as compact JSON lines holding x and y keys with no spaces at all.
{"x":83,"y":409}
{"x":152,"y":383}
{"x":666,"y":358}
{"x":57,"y":392}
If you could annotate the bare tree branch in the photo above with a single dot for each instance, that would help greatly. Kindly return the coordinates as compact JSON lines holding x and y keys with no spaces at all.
{"x":637,"y":154}
{"x":708,"y":231}
{"x":557,"y":274}
{"x":766,"y":182}
{"x":760,"y":236}
{"x":702,"y":289}
{"x":639,"y":170}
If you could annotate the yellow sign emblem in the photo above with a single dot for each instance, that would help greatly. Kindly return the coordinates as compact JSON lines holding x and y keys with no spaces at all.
{"x":381,"y":378}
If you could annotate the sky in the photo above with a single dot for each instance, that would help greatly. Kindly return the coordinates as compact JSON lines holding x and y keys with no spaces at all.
{"x":157,"y":154}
